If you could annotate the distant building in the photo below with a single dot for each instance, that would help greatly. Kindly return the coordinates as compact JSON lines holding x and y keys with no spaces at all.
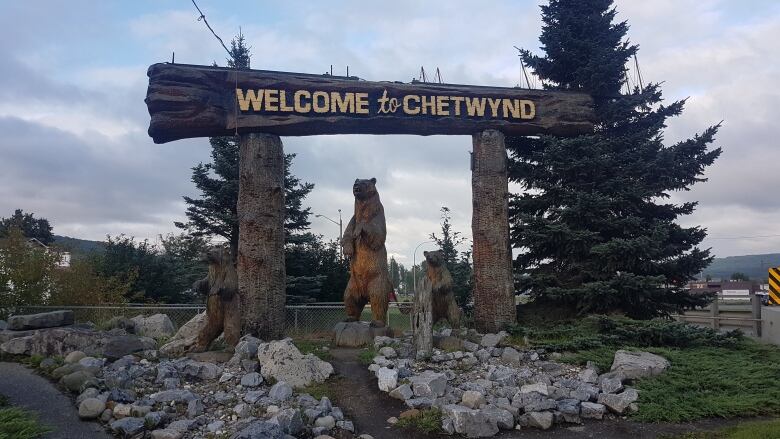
{"x":64,"y":257}
{"x":726,"y":290}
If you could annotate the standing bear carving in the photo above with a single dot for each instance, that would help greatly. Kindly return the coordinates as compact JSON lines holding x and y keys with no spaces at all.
{"x":364,"y":244}
{"x":223,"y":313}
{"x":440,"y":279}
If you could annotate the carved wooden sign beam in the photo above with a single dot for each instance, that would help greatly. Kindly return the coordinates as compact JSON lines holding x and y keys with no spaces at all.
{"x":199,"y":101}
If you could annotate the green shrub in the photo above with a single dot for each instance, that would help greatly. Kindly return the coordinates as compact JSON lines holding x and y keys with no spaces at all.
{"x":16,"y":423}
{"x":428,"y":421}
{"x":366,"y":356}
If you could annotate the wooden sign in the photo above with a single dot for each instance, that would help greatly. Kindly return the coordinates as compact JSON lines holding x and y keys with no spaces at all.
{"x":199,"y":101}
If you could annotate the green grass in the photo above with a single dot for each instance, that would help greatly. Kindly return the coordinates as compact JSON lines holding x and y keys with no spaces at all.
{"x":428,"y":421}
{"x":711,"y":374}
{"x":310,"y":346}
{"x":366,"y":356}
{"x":747,"y":430}
{"x":16,"y":423}
{"x":318,"y":390}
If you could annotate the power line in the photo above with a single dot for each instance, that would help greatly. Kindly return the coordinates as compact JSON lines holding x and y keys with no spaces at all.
{"x":203,"y":17}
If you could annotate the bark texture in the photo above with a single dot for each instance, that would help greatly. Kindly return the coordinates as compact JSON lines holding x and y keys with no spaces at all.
{"x":422,"y":321}
{"x":261,"y":272}
{"x":200,"y":101}
{"x":494,"y":300}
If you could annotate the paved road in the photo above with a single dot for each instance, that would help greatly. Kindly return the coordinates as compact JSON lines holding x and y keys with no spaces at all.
{"x":27,"y":390}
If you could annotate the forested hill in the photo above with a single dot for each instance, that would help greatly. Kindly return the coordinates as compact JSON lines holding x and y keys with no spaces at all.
{"x":78,"y":247}
{"x":754,"y":266}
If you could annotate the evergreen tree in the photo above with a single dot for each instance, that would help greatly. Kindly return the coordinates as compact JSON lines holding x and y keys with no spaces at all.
{"x":594,"y":226}
{"x":214,"y":213}
{"x":31,"y":227}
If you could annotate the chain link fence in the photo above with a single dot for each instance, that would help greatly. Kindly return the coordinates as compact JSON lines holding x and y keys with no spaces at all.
{"x":310,"y":320}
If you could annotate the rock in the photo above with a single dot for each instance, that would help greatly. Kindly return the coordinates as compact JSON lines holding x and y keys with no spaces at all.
{"x":492,"y":340}
{"x":381,"y":340}
{"x":510,"y":355}
{"x":503,"y":418}
{"x":121,"y":395}
{"x":91,"y":408}
{"x":260,"y":430}
{"x":177,"y":395}
{"x":610,"y":384}
{"x":154,"y":419}
{"x":215,"y":426}
{"x":122,"y":411}
{"x":127,"y":427}
{"x":249,"y":365}
{"x":74,"y":357}
{"x":357,"y":334}
{"x":121,"y":322}
{"x":253,"y":396}
{"x":569,"y":409}
{"x":253,"y":379}
{"x":185,"y":337}
{"x":633,"y":365}
{"x":470,"y":346}
{"x":387,"y":379}
{"x":419,"y":403}
{"x":117,"y":347}
{"x":589,"y":376}
{"x":43,"y":320}
{"x":402,"y":392}
{"x":618,"y":403}
{"x":325,"y":422}
{"x":77,"y":381}
{"x":3,"y":325}
{"x":280,"y":391}
{"x":56,"y":342}
{"x":155,"y":326}
{"x":482,"y":355}
{"x":140,"y":411}
{"x":282,"y":361}
{"x":590,"y":410}
{"x":541,"y":420}
{"x":183,"y":425}
{"x":48,"y":364}
{"x":392,"y":420}
{"x":540,"y":388}
{"x":468,"y":422}
{"x":88,"y":393}
{"x":242,"y":410}
{"x":208,"y":371}
{"x":246,"y":349}
{"x":167,"y":433}
{"x":346,"y":425}
{"x":472,"y":399}
{"x":289,"y":420}
{"x":448,"y":343}
{"x":194,"y":408}
{"x":388,"y":352}
{"x":429,"y":384}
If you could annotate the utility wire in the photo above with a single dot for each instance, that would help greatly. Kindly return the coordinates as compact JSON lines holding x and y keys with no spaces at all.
{"x":203,"y":17}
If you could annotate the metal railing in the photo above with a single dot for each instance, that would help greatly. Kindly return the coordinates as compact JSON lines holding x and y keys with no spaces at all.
{"x":727,"y":315}
{"x":309,"y":320}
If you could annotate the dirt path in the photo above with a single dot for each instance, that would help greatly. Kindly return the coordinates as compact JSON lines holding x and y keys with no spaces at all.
{"x":27,"y":390}
{"x":357,"y":394}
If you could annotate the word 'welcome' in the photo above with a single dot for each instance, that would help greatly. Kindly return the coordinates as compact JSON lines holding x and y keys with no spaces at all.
{"x":334,"y":102}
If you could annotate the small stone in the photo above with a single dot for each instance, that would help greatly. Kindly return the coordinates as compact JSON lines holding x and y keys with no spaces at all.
{"x":74,"y":357}
{"x":122,"y":411}
{"x":510,"y":355}
{"x":194,"y":408}
{"x":472,"y":399}
{"x":470,"y":346}
{"x":166,"y":433}
{"x":215,"y":426}
{"x":253,"y":379}
{"x":242,"y":410}
{"x":91,"y":408}
{"x":280,"y":391}
{"x":611,"y":385}
{"x":127,"y":427}
{"x":633,"y":365}
{"x":620,"y":402}
{"x":325,"y":422}
{"x":402,"y":392}
{"x":387,"y":379}
{"x":388,"y":352}
{"x":541,"y":420}
{"x":409,"y":413}
{"x":492,"y":340}
{"x":346,"y":425}
{"x":392,"y":420}
{"x":290,"y":421}
{"x":139,"y":411}
{"x":590,"y":410}
{"x":227,"y":376}
{"x":589,"y":376}
{"x":540,"y":388}
{"x":253,"y":396}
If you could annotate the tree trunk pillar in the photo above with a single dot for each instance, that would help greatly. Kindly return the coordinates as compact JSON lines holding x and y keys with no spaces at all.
{"x":422,"y":320}
{"x":494,"y":299}
{"x":260,"y":263}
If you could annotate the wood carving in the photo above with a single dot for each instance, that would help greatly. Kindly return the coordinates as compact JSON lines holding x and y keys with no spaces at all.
{"x":198,"y":101}
{"x":223,"y":313}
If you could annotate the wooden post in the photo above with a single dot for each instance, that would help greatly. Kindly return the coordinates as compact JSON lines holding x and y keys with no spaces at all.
{"x":494,"y":298}
{"x":260,"y":264}
{"x":715,"y":313}
{"x":422,"y":320}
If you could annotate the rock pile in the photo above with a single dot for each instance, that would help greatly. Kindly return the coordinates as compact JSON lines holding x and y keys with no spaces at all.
{"x":484,"y":387}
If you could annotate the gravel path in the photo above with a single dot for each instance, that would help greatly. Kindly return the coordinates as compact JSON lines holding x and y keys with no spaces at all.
{"x":27,"y":390}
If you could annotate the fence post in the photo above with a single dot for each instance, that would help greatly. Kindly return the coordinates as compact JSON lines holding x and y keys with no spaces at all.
{"x":715,"y":314}
{"x":756,"y":312}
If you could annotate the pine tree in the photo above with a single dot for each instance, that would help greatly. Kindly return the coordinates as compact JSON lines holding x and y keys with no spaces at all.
{"x":594,"y":226}
{"x":214,"y":213}
{"x":31,"y":227}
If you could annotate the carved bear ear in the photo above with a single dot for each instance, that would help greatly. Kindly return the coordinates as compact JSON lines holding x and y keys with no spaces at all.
{"x":373,"y":180}
{"x":425,"y":254}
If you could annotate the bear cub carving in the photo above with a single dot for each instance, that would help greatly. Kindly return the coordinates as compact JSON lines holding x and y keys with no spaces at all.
{"x":444,"y":305}
{"x":223,"y":313}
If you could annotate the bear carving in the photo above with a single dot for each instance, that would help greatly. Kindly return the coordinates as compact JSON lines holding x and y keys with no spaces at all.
{"x":444,"y":305}
{"x":364,"y":244}
{"x":223,"y":313}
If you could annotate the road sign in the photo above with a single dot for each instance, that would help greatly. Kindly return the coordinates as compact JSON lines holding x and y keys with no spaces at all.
{"x":774,"y":286}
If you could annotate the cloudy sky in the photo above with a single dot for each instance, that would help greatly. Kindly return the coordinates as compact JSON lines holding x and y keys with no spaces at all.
{"x":74,"y":148}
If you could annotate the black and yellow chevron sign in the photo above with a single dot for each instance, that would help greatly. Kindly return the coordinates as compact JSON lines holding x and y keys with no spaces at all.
{"x":774,"y":286}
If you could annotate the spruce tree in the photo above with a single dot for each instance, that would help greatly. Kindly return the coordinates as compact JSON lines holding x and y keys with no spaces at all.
{"x":214,"y":213}
{"x":594,"y":227}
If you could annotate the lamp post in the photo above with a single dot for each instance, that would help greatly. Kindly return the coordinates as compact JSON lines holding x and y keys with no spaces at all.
{"x":414,"y":265}
{"x":340,"y":224}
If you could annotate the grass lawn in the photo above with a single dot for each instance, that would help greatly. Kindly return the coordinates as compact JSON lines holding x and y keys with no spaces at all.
{"x":711,"y":374}
{"x":16,"y":423}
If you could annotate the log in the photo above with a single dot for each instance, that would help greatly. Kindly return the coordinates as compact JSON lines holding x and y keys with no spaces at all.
{"x":260,"y":263}
{"x":494,"y":293}
{"x":199,"y":101}
{"x":422,"y":320}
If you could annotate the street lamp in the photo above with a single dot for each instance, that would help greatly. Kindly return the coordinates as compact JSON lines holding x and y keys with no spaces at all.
{"x":338,"y":223}
{"x":414,"y":265}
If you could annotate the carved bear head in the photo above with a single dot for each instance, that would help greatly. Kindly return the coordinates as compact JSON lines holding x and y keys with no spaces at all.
{"x":364,"y":189}
{"x":216,"y":255}
{"x":434,"y":258}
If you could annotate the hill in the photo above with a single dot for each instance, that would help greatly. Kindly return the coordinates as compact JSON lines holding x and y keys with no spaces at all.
{"x":754,"y":266}
{"x":78,"y":247}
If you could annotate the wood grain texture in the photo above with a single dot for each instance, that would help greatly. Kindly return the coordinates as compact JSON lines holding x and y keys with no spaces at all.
{"x":187,"y":101}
